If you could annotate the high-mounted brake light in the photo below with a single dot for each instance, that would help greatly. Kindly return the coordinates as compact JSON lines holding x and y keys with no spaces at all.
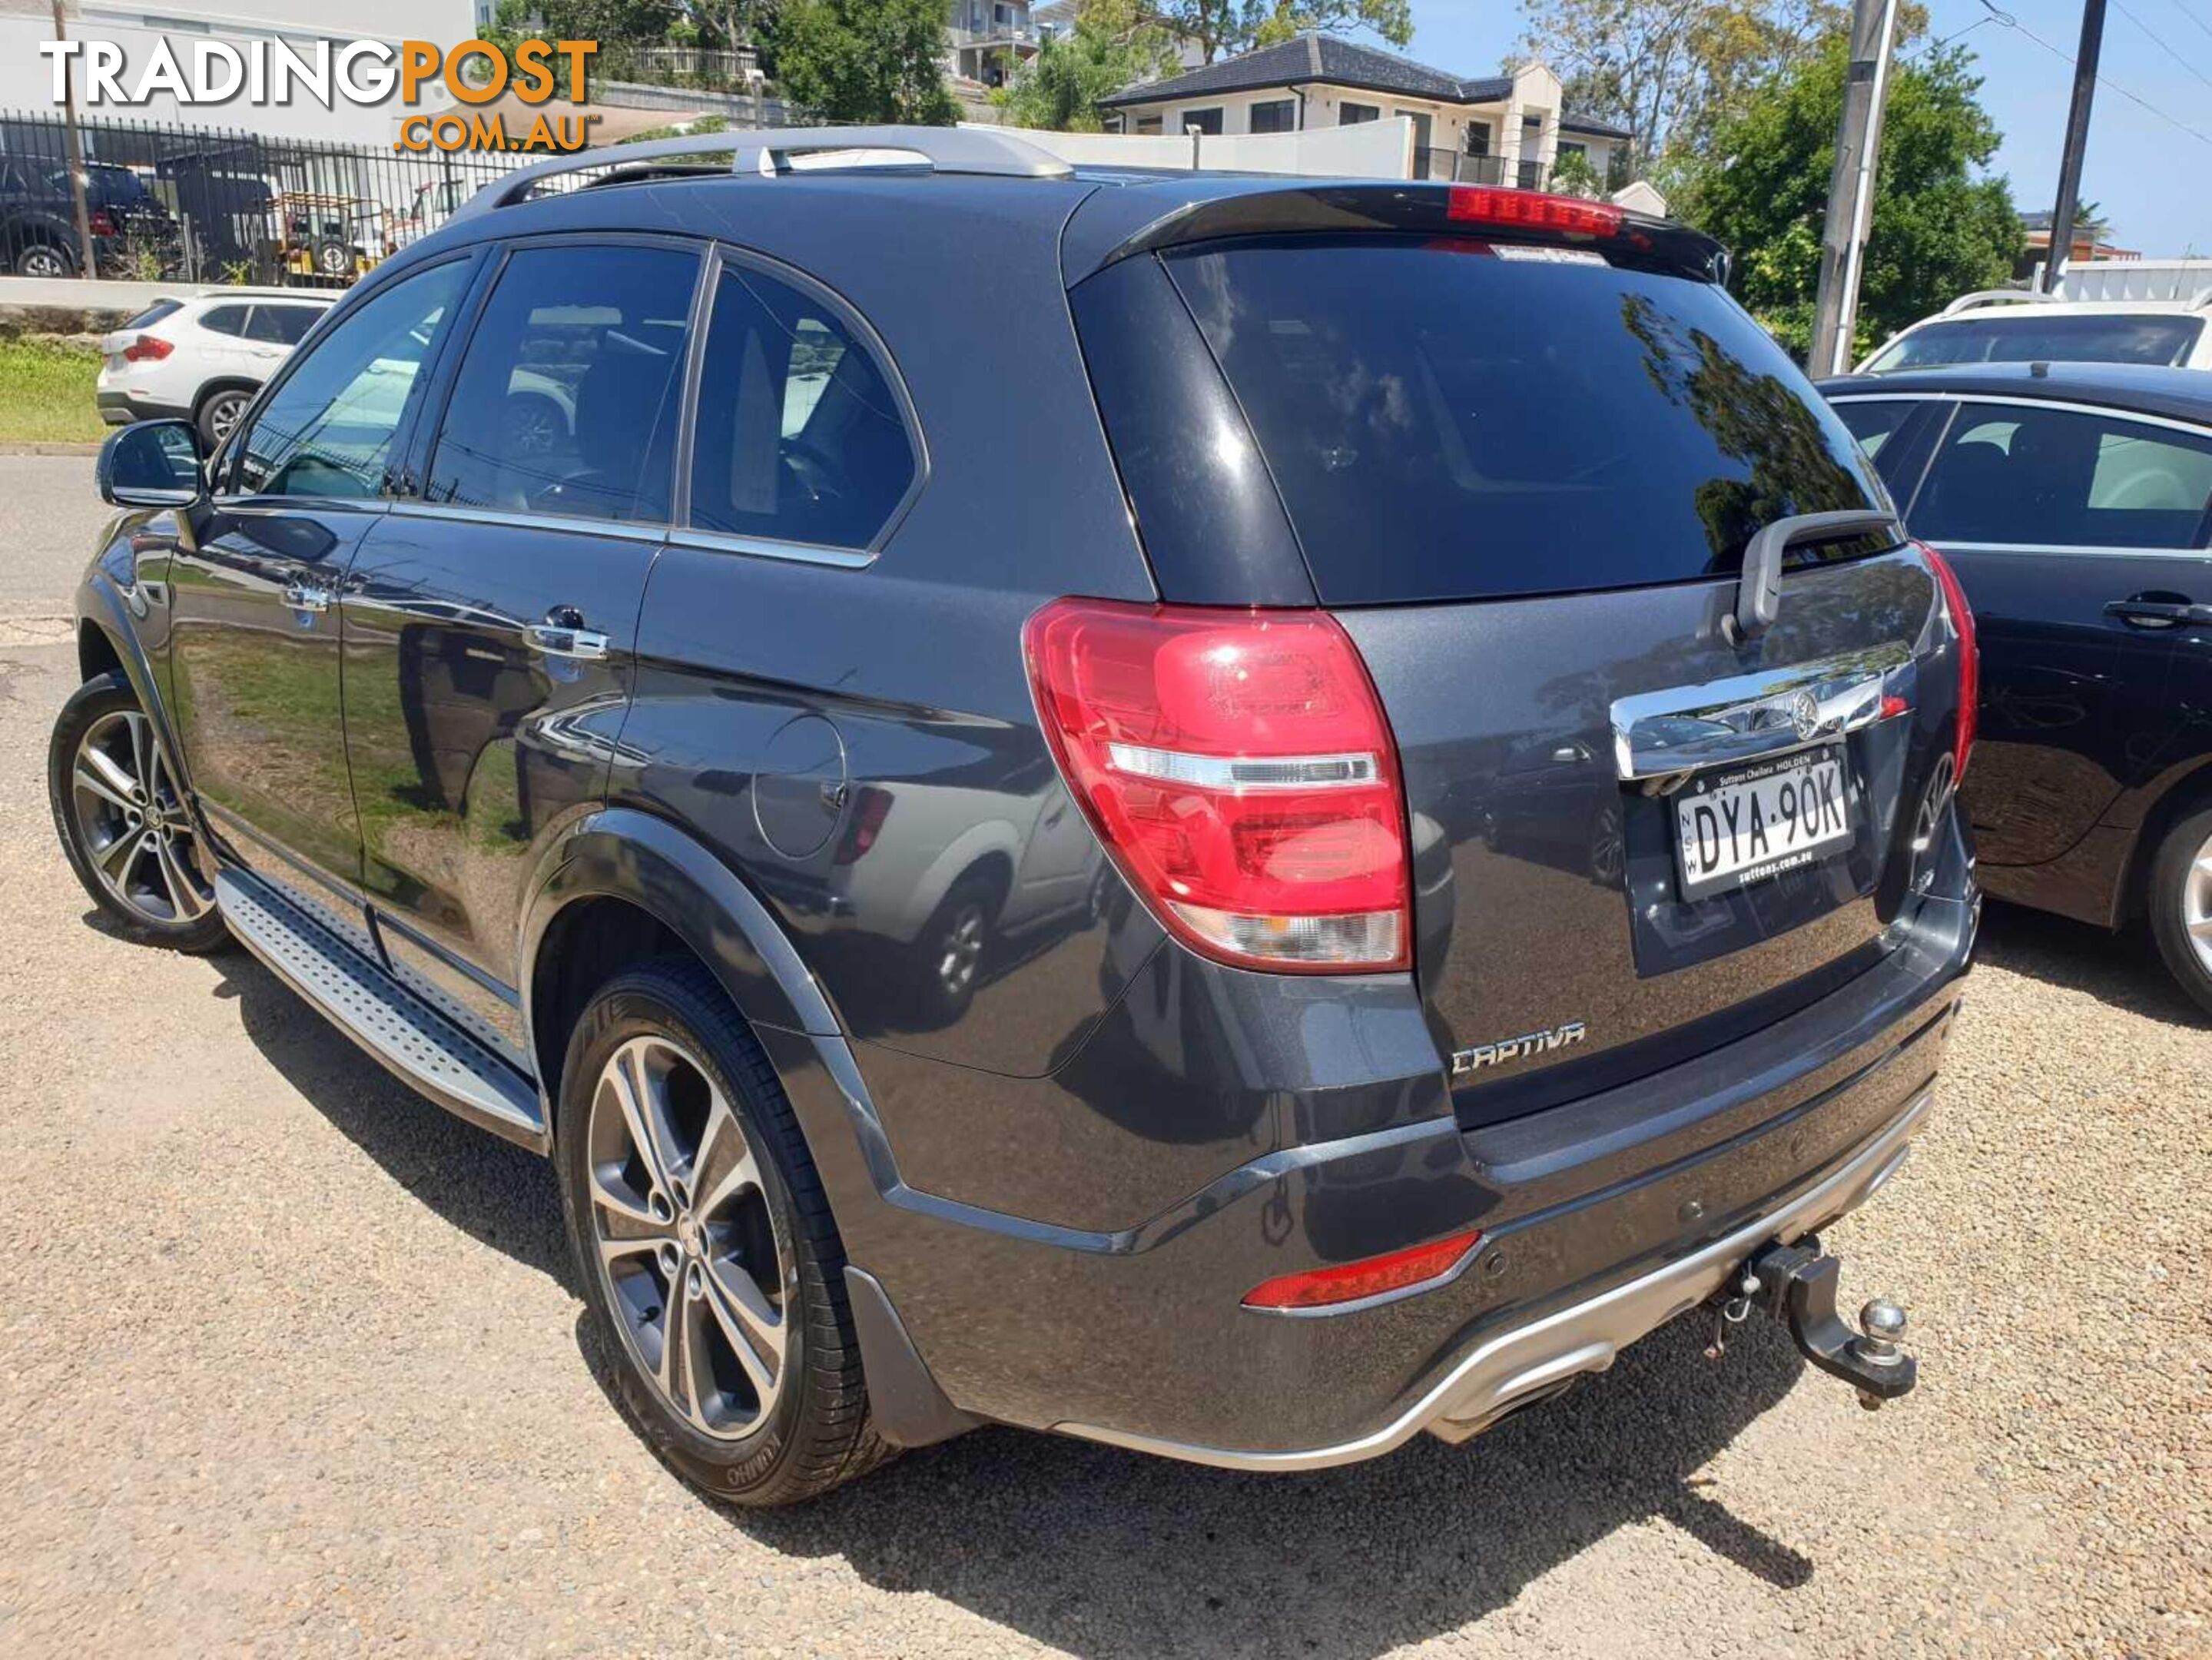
{"x":1237,"y":765}
{"x":147,"y":349}
{"x":1528,"y":210}
{"x":1969,"y":657}
{"x":1372,"y":1276}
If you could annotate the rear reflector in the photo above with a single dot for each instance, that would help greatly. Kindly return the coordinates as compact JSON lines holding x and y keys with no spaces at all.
{"x":1237,"y":765}
{"x":1350,"y":1282}
{"x":1969,"y":657}
{"x":1528,"y":210}
{"x":147,"y":349}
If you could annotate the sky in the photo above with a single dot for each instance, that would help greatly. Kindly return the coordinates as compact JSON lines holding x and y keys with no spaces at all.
{"x":2152,"y":180}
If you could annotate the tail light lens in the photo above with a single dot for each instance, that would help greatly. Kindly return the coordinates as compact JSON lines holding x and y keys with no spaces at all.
{"x":1373,"y":1276}
{"x":147,"y":349}
{"x":101,"y":222}
{"x":1969,"y":657}
{"x":1237,"y":765}
{"x":870,"y":809}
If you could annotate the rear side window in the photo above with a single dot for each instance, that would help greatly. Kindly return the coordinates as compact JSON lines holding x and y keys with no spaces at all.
{"x":1463,"y":421}
{"x":566,"y":399}
{"x":225,"y":319}
{"x":2052,"y":477}
{"x":155,"y":313}
{"x":282,"y":325}
{"x":1875,"y":423}
{"x":798,"y":437}
{"x":2042,"y":338}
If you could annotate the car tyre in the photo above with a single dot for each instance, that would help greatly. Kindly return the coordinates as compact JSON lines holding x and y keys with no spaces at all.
{"x":44,"y":259}
{"x":220,"y":413}
{"x":2181,"y":904}
{"x":699,"y":1224}
{"x":124,"y":822}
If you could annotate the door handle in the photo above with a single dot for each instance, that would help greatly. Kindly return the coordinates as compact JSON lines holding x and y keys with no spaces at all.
{"x":560,"y":640}
{"x":301,"y":595}
{"x":2158,"y":613}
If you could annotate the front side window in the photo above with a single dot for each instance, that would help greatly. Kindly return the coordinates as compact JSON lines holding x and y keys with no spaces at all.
{"x":566,"y":399}
{"x":798,"y":437}
{"x":328,"y":430}
{"x":2054,"y":478}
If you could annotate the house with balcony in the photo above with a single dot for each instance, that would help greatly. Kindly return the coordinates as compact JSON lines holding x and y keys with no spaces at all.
{"x":1497,"y":130}
{"x":985,"y":41}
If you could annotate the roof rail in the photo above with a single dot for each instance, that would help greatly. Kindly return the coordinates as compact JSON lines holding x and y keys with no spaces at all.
{"x":771,"y":151}
{"x":1982,"y":298}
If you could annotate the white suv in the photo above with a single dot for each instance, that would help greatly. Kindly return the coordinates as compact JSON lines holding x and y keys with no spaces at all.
{"x":202,"y":359}
{"x":2013,"y":325}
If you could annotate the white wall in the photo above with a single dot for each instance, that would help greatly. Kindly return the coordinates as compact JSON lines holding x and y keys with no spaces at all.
{"x":1373,"y":149}
{"x":27,"y":78}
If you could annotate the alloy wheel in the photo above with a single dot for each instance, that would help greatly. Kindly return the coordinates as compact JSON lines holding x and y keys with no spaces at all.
{"x":960,"y":954}
{"x":694,"y":1262}
{"x":132,"y":819}
{"x":43,"y":261}
{"x":2197,"y":905}
{"x":223,"y":413}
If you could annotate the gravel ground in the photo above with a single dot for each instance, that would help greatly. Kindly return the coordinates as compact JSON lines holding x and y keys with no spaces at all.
{"x":291,"y":1362}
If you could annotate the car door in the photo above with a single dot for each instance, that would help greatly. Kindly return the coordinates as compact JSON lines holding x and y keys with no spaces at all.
{"x":490,"y":625}
{"x":223,"y":350}
{"x":253,"y":661}
{"x":2079,"y":534}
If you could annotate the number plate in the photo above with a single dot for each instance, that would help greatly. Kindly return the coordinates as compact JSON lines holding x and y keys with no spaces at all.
{"x":1738,"y":827}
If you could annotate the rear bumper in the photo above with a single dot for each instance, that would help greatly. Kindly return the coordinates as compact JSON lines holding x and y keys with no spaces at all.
{"x":120,"y":409}
{"x":1523,"y":1359}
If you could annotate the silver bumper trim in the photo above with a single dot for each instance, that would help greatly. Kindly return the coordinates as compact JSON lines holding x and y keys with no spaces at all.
{"x":1509,"y":1365}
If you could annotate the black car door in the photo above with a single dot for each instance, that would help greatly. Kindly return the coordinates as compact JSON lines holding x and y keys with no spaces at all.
{"x":490,"y":625}
{"x":253,"y":659}
{"x":2077,"y":532}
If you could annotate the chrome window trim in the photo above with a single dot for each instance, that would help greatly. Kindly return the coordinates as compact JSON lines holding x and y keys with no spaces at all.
{"x":2108,"y":412}
{"x":761,"y":547}
{"x":620,"y":530}
{"x":257,"y":505}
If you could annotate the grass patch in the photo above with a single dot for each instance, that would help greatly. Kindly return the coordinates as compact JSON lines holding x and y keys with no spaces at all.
{"x":47,"y":393}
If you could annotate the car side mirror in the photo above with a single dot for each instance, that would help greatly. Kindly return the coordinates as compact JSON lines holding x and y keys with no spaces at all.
{"x":152,"y":464}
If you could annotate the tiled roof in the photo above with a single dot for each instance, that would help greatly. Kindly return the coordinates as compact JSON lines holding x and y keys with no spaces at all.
{"x":1595,"y":128}
{"x":1320,"y":57}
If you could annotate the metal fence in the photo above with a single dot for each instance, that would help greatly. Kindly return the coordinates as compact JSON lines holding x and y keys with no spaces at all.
{"x":204,"y":205}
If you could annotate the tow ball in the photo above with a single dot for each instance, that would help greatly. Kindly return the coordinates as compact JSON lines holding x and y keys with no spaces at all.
{"x":1796,"y":1285}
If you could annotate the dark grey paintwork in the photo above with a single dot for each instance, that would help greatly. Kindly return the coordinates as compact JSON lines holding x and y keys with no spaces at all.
{"x":1062,"y":1187}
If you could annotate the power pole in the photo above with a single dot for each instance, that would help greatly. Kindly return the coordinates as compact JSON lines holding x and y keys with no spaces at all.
{"x":2077,"y":140}
{"x":1851,"y":185}
{"x":89,"y":265}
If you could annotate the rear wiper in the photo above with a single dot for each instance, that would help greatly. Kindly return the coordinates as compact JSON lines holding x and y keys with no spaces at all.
{"x":1759,"y":590}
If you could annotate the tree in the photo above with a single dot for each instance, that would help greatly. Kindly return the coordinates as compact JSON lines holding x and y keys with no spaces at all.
{"x":864,"y":60}
{"x":1573,"y":175}
{"x":1112,"y":47}
{"x":1234,"y":25}
{"x":1942,"y":225}
{"x":1670,"y":70}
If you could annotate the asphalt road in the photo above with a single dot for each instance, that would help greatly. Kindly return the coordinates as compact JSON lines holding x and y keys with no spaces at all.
{"x":291,"y":1362}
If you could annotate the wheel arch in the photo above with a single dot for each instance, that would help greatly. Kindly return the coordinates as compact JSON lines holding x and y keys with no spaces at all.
{"x":222,"y":383}
{"x":628,"y":886}
{"x":2183,"y":794}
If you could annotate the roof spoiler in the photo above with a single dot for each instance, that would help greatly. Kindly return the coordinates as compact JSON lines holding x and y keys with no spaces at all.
{"x":1433,"y":209}
{"x":775,"y":150}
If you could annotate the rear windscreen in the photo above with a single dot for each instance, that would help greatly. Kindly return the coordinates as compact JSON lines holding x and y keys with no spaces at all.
{"x":1452,"y":420}
{"x":2042,"y":338}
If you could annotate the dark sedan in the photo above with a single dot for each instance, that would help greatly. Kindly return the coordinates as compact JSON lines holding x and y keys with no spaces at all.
{"x":2072,"y":500}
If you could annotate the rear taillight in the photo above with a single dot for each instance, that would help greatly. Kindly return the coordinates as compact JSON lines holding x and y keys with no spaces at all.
{"x":147,"y":349}
{"x":1969,"y":657}
{"x":1237,"y":765}
{"x":870,"y":809}
{"x":1373,"y":1276}
{"x":101,"y":222}
{"x":1529,"y":210}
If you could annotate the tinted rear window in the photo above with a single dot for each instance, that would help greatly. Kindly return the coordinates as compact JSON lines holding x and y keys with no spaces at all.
{"x":2042,"y":338}
{"x":155,"y":313}
{"x":1448,"y":422}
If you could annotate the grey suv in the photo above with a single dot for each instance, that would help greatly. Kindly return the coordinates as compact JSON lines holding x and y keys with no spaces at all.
{"x":1240,"y":816}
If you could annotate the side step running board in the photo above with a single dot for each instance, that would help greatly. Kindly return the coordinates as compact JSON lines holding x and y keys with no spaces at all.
{"x":418,"y":1044}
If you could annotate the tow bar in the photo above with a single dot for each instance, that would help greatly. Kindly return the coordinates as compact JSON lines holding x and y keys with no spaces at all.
{"x":1796,"y":1284}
